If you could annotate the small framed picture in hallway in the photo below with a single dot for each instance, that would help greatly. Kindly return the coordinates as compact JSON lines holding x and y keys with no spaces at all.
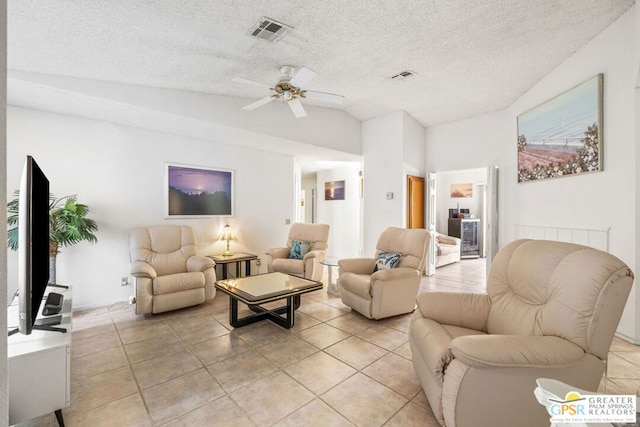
{"x":334,"y":190}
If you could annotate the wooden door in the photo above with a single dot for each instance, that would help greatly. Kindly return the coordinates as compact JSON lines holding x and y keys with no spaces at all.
{"x":415,"y":201}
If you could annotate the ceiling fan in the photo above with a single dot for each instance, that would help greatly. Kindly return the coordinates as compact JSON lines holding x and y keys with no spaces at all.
{"x":289,"y":90}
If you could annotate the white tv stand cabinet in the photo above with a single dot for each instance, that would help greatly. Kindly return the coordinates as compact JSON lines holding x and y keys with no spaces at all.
{"x":39,"y":366}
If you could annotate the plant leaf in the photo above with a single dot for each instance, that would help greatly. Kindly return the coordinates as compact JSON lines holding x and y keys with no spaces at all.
{"x":68,"y":224}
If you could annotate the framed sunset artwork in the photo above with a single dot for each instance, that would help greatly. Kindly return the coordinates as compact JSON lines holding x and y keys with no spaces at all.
{"x":197,"y":191}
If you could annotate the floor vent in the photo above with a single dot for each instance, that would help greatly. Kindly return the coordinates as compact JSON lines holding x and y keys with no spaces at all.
{"x":269,"y":29}
{"x":402,"y":75}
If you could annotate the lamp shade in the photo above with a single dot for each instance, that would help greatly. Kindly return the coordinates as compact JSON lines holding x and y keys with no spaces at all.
{"x":227,"y":235}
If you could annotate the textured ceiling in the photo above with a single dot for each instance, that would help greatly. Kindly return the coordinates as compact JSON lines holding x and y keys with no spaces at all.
{"x":470,"y":56}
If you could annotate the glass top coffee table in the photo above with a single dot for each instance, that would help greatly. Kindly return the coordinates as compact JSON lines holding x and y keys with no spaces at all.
{"x":261,"y":289}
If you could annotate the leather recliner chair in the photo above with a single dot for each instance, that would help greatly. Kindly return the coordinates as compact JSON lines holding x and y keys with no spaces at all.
{"x":447,"y":249}
{"x":168,"y":272}
{"x":315,"y":237}
{"x":550,"y":311}
{"x":391,"y":292}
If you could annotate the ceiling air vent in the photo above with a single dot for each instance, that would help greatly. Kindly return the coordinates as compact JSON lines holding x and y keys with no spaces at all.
{"x":269,"y":29}
{"x":402,"y":75}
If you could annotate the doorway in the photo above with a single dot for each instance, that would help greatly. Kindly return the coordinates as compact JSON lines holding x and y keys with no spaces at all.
{"x":310,"y":197}
{"x":478,"y":199}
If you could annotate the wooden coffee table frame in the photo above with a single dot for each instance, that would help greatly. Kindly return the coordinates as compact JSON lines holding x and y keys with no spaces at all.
{"x":283,"y":316}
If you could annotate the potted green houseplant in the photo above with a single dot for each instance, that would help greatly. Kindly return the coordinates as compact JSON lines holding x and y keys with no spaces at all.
{"x":68,"y":225}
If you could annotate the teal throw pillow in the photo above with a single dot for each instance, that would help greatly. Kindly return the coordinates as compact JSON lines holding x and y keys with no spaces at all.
{"x":387,"y":260}
{"x":299,"y":249}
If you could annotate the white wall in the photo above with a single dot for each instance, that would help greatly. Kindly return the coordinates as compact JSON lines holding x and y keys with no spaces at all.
{"x":392,"y":148}
{"x":573,"y":198}
{"x":383,"y":158}
{"x":4,"y":406}
{"x":595,"y":201}
{"x":342,"y":215}
{"x":413,"y":152}
{"x":413,"y":148}
{"x":634,"y":323}
{"x":119,"y":172}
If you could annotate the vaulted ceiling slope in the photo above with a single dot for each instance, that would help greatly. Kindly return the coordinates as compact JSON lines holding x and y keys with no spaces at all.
{"x":469,"y":57}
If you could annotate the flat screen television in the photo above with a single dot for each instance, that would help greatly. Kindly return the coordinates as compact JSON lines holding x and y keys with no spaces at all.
{"x":33,"y":243}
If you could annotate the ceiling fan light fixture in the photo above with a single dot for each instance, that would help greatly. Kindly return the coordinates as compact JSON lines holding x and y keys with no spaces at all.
{"x":288,"y":89}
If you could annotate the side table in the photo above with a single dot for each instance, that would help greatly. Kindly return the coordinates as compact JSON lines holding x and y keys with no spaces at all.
{"x":332,"y":288}
{"x":237,"y":258}
{"x":39,"y":367}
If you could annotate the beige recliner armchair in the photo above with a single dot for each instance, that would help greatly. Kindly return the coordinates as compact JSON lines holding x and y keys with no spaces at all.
{"x":386,"y":292}
{"x":168,"y":273}
{"x":550,"y":311}
{"x":308,"y":243}
{"x":447,"y":249}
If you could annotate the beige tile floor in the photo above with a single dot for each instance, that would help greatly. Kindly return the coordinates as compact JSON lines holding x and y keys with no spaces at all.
{"x":334,"y":368}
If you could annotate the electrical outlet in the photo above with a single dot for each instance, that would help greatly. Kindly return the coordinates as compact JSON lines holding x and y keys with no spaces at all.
{"x":124,"y":281}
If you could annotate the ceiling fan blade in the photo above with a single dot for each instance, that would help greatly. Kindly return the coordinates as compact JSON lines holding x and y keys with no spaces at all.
{"x":297,"y":108}
{"x":250,"y":82}
{"x":260,"y":102}
{"x":302,"y":77}
{"x":323,"y":96}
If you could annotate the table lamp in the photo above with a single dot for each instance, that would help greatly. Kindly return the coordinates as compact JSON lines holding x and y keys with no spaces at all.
{"x":227,"y":235}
